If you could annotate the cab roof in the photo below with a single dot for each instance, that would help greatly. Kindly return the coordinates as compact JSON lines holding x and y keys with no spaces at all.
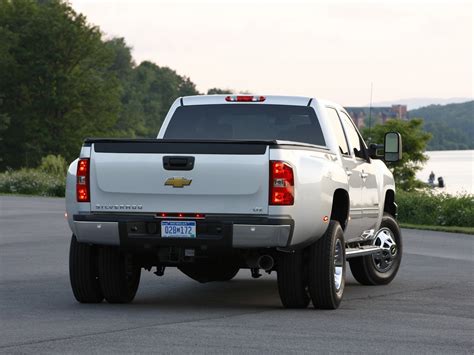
{"x":267,"y":99}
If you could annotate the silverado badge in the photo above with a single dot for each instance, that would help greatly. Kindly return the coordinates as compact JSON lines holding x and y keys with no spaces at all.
{"x":178,"y":182}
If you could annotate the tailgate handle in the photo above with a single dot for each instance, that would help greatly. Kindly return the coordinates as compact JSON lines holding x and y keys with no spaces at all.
{"x":178,"y":163}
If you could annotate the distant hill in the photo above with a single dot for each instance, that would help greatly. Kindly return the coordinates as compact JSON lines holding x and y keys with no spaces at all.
{"x":452,"y":126}
{"x":417,"y":102}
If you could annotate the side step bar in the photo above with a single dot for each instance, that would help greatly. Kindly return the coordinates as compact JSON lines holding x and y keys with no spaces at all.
{"x":362,"y":251}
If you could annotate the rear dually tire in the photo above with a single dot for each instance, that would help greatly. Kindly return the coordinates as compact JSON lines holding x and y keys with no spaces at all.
{"x":327,"y":268}
{"x":292,"y":279}
{"x":119,"y":275}
{"x":83,"y":272}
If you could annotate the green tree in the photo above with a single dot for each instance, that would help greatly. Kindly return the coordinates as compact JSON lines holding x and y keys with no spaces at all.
{"x":414,"y":141}
{"x":150,"y":93}
{"x":452,"y":125}
{"x":56,"y":81}
{"x":130,"y":121}
{"x":60,"y":82}
{"x":122,"y":62}
{"x":217,"y":91}
{"x":4,"y":123}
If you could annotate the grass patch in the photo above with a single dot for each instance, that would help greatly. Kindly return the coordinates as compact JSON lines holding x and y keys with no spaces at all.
{"x":449,"y":229}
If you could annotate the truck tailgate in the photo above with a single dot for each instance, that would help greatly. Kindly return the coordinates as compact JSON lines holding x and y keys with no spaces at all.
{"x":148,"y":176}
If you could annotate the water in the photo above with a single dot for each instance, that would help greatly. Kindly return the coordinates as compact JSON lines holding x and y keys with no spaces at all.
{"x":455,"y":166}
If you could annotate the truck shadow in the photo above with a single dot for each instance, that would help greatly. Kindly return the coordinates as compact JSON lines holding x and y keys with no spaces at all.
{"x":238,"y":294}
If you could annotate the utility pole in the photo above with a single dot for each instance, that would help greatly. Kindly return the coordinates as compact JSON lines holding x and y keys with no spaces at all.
{"x":370,"y":111}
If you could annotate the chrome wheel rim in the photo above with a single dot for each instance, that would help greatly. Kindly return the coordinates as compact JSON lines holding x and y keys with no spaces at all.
{"x":383,"y":260}
{"x":338,"y":264}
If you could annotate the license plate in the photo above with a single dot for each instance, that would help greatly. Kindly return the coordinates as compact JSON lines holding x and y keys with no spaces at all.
{"x":178,"y":229}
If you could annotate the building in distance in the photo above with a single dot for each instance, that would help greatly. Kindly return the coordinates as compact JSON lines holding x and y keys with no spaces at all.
{"x":360,"y":115}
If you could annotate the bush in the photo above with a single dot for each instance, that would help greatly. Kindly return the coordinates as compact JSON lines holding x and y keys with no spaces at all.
{"x":54,"y":165}
{"x":420,"y":207}
{"x":32,"y":182}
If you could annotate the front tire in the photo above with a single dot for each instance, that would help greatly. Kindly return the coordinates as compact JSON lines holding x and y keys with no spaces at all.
{"x":292,"y":280}
{"x":327,"y":268}
{"x":381,"y":268}
{"x":83,"y":272}
{"x":119,"y":275}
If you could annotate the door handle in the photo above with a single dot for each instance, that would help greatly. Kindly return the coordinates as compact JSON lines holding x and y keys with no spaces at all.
{"x":348,"y":172}
{"x":178,"y":163}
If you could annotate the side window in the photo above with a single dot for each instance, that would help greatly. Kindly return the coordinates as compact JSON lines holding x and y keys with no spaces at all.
{"x":353,"y":137}
{"x":337,"y":129}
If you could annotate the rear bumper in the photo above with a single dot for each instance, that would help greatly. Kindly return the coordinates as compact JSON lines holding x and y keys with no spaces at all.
{"x":215,"y":231}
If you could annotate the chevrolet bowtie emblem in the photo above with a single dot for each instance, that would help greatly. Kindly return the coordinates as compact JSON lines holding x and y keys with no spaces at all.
{"x":178,"y":182}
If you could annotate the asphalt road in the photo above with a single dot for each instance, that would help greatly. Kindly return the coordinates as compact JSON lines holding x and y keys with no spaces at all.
{"x":428,"y":308}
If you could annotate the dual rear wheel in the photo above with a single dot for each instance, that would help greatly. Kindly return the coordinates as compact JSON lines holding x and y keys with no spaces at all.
{"x":316,"y":273}
{"x":102,"y":272}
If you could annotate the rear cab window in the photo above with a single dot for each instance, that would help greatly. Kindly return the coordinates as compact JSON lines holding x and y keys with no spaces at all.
{"x":246,"y":122}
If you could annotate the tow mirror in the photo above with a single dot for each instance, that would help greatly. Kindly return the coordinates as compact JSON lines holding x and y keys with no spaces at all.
{"x":392,"y":147}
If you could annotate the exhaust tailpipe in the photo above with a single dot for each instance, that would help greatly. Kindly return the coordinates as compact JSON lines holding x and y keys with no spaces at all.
{"x":265,"y":262}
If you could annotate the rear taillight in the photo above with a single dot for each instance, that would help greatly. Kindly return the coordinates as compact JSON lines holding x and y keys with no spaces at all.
{"x":245,"y":98}
{"x":282,"y":184}
{"x":82,"y":182}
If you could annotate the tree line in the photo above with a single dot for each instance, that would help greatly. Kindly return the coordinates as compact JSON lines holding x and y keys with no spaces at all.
{"x":452,"y":126}
{"x":61,"y":81}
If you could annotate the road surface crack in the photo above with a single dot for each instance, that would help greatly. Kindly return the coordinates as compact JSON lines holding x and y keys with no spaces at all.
{"x":72,"y":337}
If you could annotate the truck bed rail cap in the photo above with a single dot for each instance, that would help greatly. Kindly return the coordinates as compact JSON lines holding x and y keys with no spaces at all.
{"x":89,"y":141}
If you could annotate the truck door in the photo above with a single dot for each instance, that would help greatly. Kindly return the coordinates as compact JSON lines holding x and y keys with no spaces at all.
{"x":370,"y":196}
{"x":352,"y":167}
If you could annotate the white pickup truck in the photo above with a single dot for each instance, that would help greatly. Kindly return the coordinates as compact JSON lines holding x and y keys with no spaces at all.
{"x":270,"y":183}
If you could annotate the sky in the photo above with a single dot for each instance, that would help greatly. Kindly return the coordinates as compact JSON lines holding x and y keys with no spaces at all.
{"x":330,"y":49}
